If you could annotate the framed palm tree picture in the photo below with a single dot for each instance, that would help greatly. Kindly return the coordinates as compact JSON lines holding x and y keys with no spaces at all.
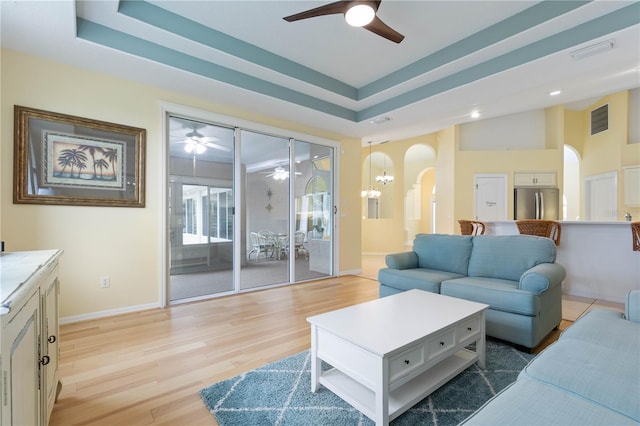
{"x":68,"y":160}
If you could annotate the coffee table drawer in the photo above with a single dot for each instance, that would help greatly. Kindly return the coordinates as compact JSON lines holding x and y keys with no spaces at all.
{"x":468,"y":329}
{"x":405,"y":362}
{"x":441,"y":343}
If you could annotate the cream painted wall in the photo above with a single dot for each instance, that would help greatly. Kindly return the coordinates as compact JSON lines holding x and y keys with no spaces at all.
{"x":387,"y":235}
{"x":456,"y":168}
{"x":446,"y":184}
{"x":610,"y":151}
{"x":469,"y":163}
{"x":124,"y":243}
{"x":428,"y":182}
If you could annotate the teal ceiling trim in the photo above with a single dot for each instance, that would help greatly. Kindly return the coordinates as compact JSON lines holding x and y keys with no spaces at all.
{"x":509,"y":27}
{"x":176,"y":24}
{"x":614,"y":21}
{"x":100,"y":34}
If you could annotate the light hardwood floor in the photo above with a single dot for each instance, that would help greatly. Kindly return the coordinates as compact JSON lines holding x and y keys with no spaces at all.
{"x":147,"y":367}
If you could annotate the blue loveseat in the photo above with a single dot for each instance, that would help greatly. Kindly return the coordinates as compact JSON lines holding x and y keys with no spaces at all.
{"x":516,"y":275}
{"x":590,"y":376}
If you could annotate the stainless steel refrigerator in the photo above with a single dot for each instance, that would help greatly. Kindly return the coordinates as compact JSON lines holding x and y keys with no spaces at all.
{"x":536,"y":203}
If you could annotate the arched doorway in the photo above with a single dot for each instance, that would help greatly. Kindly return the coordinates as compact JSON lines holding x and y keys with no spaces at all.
{"x":420,"y":180}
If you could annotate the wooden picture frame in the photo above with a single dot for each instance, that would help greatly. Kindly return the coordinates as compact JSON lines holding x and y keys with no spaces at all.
{"x":67,"y":160}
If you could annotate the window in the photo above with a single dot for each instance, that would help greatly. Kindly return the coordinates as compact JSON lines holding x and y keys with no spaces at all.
{"x":208,"y":215}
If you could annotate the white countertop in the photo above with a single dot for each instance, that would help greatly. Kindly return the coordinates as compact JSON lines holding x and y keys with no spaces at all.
{"x":569,"y":222}
{"x":17,"y":267}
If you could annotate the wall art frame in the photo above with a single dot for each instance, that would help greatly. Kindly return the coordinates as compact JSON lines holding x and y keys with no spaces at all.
{"x":62,"y":159}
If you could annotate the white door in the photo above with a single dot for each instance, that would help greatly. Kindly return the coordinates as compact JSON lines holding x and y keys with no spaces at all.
{"x":491,"y":197}
{"x":601,"y":200}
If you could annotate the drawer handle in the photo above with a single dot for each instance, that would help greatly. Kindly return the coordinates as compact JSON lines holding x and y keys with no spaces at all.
{"x":441,"y":343}
{"x":406,"y":361}
{"x":45,"y":360}
{"x":51,"y":339}
{"x":469,"y":328}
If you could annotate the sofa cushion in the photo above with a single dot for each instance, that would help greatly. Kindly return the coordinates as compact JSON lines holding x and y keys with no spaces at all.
{"x":595,"y":372}
{"x":501,"y":295}
{"x":632,"y":306}
{"x":608,"y":328}
{"x":532,"y":402}
{"x":404,"y":260}
{"x":420,"y":278}
{"x":541,"y":277}
{"x":448,"y":253}
{"x":508,"y":256}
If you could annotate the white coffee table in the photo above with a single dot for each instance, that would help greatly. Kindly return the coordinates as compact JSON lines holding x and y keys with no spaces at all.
{"x":390,"y":353}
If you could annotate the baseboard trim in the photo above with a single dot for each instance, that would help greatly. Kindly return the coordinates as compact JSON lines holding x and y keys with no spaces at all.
{"x":351,"y":272}
{"x":109,"y":313}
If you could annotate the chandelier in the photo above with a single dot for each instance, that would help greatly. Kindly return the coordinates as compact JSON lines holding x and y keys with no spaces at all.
{"x":384,"y":178}
{"x":371,"y":192}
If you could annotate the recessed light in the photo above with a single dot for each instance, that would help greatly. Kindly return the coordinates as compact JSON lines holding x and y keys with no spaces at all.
{"x":380,"y":120}
{"x":555,"y":93}
{"x":475,"y":114}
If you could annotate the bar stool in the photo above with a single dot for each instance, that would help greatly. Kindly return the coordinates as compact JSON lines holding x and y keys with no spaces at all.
{"x":471,"y":227}
{"x":635,"y":233}
{"x":541,"y":228}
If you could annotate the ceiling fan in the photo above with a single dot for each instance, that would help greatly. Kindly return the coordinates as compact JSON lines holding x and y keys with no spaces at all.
{"x":357,"y":13}
{"x":197,"y":143}
{"x":280,"y":173}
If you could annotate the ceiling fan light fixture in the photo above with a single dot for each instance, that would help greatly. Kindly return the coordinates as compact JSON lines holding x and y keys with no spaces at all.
{"x":280,"y":174}
{"x":191,"y":145}
{"x":359,"y":15}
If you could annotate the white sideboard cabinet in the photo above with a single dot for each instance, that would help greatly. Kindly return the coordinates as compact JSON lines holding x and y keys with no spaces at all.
{"x":28,"y":336}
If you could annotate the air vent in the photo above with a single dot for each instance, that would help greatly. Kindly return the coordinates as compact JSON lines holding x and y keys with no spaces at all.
{"x":600,"y":119}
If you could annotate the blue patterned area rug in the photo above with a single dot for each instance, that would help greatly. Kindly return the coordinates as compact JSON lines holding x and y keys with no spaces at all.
{"x":279,"y":394}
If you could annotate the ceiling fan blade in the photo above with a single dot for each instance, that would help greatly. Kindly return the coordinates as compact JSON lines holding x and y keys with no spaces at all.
{"x":215,"y":146}
{"x":327,"y":9}
{"x":378,"y":27}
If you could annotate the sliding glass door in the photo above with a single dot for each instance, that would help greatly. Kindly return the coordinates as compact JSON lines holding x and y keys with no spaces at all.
{"x":313,"y":209}
{"x":246,"y":210}
{"x":265,"y":168}
{"x":200,"y":209}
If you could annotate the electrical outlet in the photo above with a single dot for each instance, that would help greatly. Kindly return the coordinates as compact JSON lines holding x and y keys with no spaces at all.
{"x":104,"y":281}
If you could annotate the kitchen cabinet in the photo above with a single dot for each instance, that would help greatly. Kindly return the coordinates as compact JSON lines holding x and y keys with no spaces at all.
{"x":535,"y":179}
{"x":29,"y":289}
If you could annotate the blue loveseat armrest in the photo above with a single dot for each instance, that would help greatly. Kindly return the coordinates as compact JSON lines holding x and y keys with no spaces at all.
{"x":542,"y":277}
{"x":404,"y":260}
{"x":632,"y":306}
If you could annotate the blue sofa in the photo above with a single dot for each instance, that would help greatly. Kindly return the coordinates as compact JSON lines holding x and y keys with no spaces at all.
{"x":516,"y":275}
{"x":590,"y":376}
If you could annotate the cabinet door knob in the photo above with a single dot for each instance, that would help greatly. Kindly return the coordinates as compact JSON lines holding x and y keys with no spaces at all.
{"x":406,"y":361}
{"x":469,"y":328}
{"x":51,"y":339}
{"x":45,"y":360}
{"x":441,"y":343}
